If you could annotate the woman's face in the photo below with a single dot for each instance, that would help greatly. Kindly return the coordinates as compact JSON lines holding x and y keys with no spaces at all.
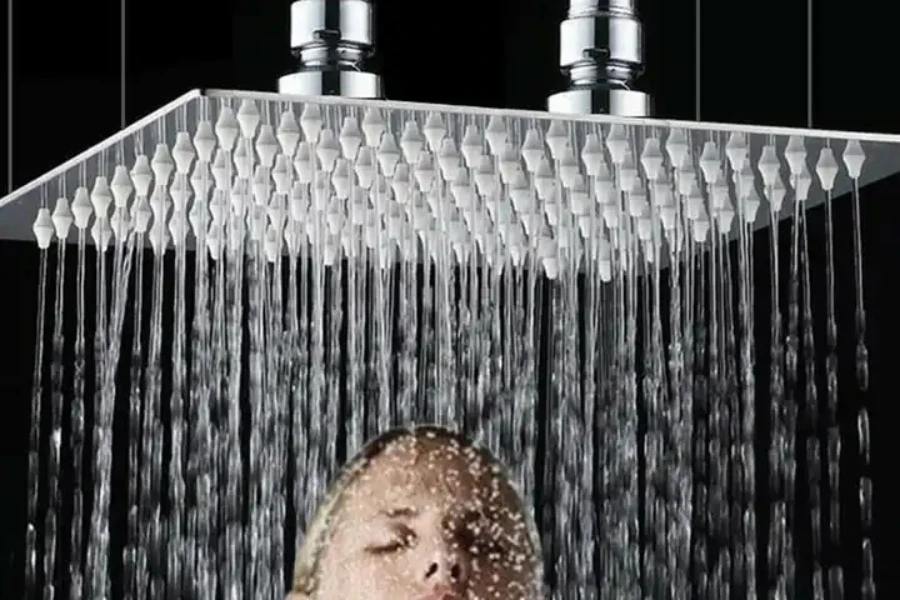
{"x":429,"y":520}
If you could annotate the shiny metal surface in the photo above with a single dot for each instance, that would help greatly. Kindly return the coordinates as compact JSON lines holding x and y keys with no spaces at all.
{"x":17,"y":210}
{"x":614,"y":39}
{"x":602,"y":55}
{"x":351,"y":21}
{"x":350,"y":84}
{"x":601,"y":101}
{"x":333,"y":42}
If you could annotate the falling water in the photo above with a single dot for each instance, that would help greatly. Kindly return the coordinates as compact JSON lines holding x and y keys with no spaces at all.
{"x":124,"y":251}
{"x":779,"y":538}
{"x":152,"y":428}
{"x":811,"y":405}
{"x":34,"y":440}
{"x":96,"y":546}
{"x":77,"y":407}
{"x":579,"y":299}
{"x":825,"y":167}
{"x":51,"y":523}
{"x":853,"y":157}
{"x":177,"y":535}
{"x":135,"y":559}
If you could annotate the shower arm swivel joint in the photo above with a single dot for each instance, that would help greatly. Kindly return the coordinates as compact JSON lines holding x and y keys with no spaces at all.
{"x":602,"y":55}
{"x":333,"y":42}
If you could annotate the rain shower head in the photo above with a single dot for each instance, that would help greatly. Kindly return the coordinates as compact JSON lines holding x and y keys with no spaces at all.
{"x":333,"y":42}
{"x":220,"y":168}
{"x":602,"y":54}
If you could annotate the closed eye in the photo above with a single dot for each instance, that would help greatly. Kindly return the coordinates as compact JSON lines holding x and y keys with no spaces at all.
{"x":403,"y":537}
{"x":388,"y":548}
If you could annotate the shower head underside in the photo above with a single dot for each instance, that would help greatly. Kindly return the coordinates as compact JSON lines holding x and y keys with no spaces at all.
{"x":413,"y":181}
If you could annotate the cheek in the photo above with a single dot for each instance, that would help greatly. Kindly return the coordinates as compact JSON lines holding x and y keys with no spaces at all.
{"x":357,"y":581}
{"x":363,"y":577}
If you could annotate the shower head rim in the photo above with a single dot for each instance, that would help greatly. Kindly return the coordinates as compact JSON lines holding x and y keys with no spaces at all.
{"x":534,"y":116}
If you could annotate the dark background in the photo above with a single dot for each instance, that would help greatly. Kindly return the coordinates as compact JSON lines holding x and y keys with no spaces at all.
{"x":496,"y":53}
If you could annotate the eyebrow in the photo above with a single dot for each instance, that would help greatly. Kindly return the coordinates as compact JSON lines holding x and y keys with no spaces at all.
{"x":399,"y":513}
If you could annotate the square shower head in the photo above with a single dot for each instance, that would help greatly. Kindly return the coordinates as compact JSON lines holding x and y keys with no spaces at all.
{"x":503,"y":181}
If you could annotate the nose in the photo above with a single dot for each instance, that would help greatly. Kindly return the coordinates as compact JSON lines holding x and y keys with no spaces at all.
{"x":446,"y":570}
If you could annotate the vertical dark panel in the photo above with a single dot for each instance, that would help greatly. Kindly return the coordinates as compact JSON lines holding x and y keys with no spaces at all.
{"x":669,"y":51}
{"x":65,"y":81}
{"x":176,"y":46}
{"x":442,"y":52}
{"x":855,"y":65}
{"x":531,"y":52}
{"x":261,"y":43}
{"x":754,"y":62}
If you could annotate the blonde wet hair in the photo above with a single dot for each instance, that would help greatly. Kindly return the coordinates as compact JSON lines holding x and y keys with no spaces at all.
{"x":318,"y":533}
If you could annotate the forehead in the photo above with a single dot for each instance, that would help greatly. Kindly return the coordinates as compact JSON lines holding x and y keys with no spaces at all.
{"x":425,"y":469}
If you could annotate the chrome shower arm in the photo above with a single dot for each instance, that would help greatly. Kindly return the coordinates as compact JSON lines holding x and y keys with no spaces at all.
{"x":602,"y":55}
{"x":333,"y":42}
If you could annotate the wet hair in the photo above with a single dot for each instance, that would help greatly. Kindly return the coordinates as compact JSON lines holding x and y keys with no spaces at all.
{"x":306,"y":569}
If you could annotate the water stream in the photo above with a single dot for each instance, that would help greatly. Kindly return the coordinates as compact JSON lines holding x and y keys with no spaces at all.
{"x":587,"y":308}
